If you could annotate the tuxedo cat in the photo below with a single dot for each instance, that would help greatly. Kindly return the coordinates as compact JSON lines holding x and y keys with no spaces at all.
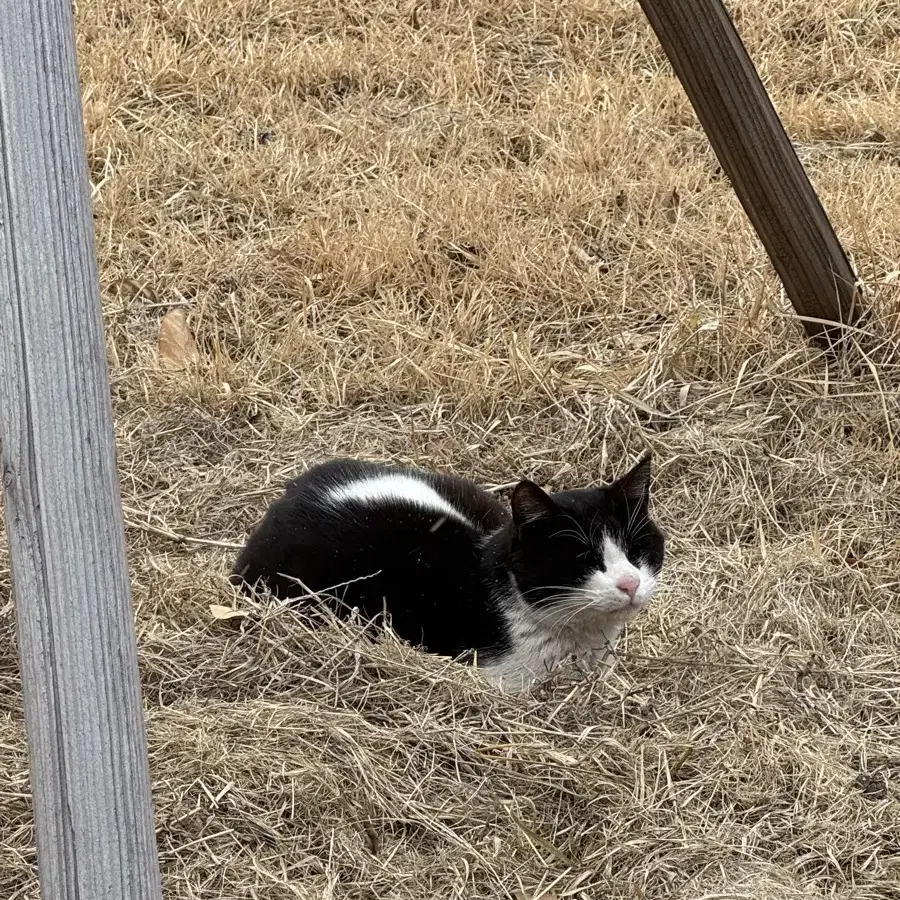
{"x":458,"y":574}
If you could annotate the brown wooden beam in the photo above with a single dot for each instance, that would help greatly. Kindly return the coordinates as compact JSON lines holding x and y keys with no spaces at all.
{"x":756,"y":153}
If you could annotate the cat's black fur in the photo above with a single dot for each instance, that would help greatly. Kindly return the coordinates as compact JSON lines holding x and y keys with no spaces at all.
{"x":449,"y":582}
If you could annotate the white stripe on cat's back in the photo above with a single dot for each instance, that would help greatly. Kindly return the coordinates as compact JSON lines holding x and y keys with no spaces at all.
{"x":396,"y":488}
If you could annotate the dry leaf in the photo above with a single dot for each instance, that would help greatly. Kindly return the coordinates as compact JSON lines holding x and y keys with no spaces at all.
{"x":636,"y":340}
{"x":590,"y":259}
{"x":226,"y":612}
{"x":177,"y":349}
{"x":562,"y":758}
{"x":875,"y":136}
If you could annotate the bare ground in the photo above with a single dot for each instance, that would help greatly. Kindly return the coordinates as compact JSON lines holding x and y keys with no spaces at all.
{"x":491,"y":238}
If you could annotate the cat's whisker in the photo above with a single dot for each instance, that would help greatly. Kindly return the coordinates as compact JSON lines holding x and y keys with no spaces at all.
{"x":574,"y":610}
{"x":557,"y":620}
{"x":564,"y":602}
{"x":637,"y":510}
{"x":596,"y":525}
{"x":582,"y":532}
{"x":637,"y":528}
{"x":564,"y":589}
{"x":578,"y":535}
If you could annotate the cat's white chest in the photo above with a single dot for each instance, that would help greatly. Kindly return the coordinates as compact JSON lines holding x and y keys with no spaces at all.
{"x":539,"y":645}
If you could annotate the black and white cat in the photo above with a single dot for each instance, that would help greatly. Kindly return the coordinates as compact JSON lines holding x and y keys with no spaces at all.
{"x":457,"y":573}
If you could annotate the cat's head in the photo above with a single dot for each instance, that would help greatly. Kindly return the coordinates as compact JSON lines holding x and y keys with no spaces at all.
{"x":594,"y":550}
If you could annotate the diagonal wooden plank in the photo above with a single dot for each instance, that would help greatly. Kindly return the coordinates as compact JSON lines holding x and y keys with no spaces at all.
{"x":756,"y":153}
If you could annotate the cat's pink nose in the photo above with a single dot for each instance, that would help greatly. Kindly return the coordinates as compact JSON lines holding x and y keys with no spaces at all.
{"x":629,"y":585}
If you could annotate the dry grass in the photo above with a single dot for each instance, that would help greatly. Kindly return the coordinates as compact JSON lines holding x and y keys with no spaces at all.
{"x":491,"y":238}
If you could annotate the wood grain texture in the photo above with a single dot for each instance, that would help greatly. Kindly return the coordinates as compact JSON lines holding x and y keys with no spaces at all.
{"x":87,"y":742}
{"x":756,"y":153}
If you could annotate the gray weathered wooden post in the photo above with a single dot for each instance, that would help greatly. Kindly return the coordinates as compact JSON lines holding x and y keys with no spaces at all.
{"x":88,"y":751}
{"x":756,"y":153}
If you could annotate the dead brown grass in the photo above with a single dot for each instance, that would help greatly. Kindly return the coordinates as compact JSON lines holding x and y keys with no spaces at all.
{"x":491,"y":238}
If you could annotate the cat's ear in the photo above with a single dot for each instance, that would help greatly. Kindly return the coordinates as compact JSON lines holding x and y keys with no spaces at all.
{"x":530,"y":504}
{"x":635,"y":485}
